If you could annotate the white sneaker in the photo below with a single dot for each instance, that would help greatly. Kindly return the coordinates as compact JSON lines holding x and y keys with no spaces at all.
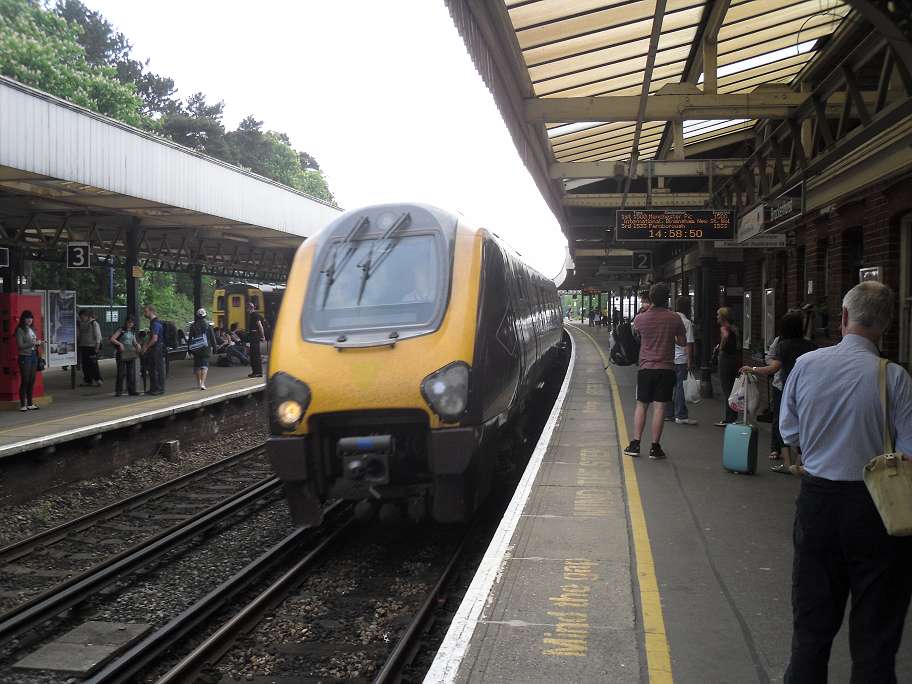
{"x":685,"y":421}
{"x":23,"y":408}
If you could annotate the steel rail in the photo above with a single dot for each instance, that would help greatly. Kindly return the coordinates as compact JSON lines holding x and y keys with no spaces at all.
{"x":394,"y":663}
{"x":147,"y":651}
{"x":55,"y":534}
{"x":223,"y":639}
{"x":76,"y":590}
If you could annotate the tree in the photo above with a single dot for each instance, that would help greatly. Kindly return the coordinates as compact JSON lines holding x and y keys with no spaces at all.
{"x":198,"y":125}
{"x":42,"y":49}
{"x":159,"y":289}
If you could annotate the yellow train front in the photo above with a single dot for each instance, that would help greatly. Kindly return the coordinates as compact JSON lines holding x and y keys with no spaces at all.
{"x":406,"y":342}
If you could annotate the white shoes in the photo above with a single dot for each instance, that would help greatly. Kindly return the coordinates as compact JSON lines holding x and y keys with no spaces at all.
{"x":23,"y":408}
{"x":685,"y":421}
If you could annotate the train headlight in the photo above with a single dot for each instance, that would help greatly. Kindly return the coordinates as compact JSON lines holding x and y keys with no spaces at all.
{"x":289,"y":413}
{"x":447,"y":391}
{"x":288,"y":402}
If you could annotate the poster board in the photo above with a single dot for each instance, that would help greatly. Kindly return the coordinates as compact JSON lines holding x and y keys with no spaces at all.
{"x":746,"y":324}
{"x":60,"y":328}
{"x":769,"y":317}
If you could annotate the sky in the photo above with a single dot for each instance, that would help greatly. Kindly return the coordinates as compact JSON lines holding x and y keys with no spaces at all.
{"x":381,"y":92}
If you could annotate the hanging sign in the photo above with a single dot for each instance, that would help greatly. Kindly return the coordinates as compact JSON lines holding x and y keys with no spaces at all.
{"x":752,"y":223}
{"x":642,"y":261}
{"x":78,"y":255}
{"x":674,"y":224}
{"x":4,"y":257}
{"x":788,"y":205}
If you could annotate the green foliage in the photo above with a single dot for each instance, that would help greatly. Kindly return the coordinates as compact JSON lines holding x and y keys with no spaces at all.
{"x":40,"y":49}
{"x":160,"y":289}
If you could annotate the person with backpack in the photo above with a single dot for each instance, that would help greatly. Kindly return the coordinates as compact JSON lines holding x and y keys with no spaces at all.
{"x":201,"y":343}
{"x":127,"y":346}
{"x":783,"y":353}
{"x":154,"y":351}
{"x":659,"y":329}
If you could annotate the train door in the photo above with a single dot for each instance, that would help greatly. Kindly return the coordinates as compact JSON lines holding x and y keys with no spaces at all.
{"x":905,"y":292}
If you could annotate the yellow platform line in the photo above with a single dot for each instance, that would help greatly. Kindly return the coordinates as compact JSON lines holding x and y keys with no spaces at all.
{"x":658,"y":652}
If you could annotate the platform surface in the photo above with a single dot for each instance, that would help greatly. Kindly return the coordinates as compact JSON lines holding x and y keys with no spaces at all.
{"x":83,"y":411}
{"x":720,"y":547}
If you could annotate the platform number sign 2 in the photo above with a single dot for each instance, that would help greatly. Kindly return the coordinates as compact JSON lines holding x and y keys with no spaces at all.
{"x":642,"y":261}
{"x":78,"y":255}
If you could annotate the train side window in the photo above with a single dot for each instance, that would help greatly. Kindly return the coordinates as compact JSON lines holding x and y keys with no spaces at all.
{"x":235,"y":302}
{"x":220,"y":303}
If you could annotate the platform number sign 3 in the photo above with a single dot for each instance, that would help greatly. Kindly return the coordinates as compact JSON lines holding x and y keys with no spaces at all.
{"x":4,"y":257}
{"x":642,"y":261}
{"x":78,"y":255}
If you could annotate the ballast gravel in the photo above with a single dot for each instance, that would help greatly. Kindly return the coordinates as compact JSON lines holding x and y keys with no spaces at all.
{"x":72,"y":500}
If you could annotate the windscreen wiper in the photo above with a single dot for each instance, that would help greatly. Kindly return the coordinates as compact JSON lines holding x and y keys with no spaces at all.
{"x":368,"y":267}
{"x":333,"y":270}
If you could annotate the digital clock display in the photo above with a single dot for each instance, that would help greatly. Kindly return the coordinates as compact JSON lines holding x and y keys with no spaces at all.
{"x":672,"y":224}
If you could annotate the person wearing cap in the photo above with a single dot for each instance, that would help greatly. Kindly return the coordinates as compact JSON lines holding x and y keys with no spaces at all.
{"x":201,"y":328}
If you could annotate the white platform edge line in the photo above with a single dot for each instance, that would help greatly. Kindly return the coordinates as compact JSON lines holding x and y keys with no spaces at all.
{"x":75,"y":433}
{"x":456,"y":642}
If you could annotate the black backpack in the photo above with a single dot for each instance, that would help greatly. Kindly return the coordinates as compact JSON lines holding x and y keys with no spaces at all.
{"x":617,"y":356}
{"x":170,"y":334}
{"x":630,"y":345}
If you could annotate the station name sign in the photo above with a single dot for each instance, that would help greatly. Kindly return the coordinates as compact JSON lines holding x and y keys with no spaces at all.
{"x":668,"y":225}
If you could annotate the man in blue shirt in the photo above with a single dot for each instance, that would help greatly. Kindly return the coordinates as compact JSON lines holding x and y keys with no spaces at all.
{"x":831,"y":408}
{"x":154,"y":350}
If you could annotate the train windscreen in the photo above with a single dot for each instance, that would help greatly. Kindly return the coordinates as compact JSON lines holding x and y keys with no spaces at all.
{"x":395,"y":284}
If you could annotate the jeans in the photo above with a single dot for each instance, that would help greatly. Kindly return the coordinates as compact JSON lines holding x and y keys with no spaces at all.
{"x":126,"y":370}
{"x":28,"y":367}
{"x":842,"y":548}
{"x":678,"y":407}
{"x":775,"y":437}
{"x":234,"y":353}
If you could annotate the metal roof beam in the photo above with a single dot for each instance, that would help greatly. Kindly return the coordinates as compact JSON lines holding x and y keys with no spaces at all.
{"x":759,"y":105}
{"x":667,"y":169}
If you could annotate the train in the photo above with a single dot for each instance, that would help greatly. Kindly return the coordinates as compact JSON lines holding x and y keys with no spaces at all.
{"x":408,"y":340}
{"x":229,"y":304}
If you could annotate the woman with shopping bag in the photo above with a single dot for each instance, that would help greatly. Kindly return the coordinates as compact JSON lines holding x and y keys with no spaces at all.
{"x":676,"y":410}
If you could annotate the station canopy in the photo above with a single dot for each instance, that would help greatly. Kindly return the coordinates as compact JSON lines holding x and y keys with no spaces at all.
{"x":690,"y":104}
{"x":69,"y":174}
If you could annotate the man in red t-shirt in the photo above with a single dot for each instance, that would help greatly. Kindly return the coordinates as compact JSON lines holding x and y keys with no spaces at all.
{"x":658,"y":329}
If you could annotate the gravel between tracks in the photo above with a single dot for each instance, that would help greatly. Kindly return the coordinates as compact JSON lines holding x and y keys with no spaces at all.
{"x":78,"y":498}
{"x":178,"y":580}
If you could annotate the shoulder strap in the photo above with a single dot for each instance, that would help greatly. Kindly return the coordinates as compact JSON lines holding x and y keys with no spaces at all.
{"x":885,"y":413}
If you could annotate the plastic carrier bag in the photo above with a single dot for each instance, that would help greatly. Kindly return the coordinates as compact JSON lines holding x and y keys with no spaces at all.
{"x":691,"y":388}
{"x":744,"y":393}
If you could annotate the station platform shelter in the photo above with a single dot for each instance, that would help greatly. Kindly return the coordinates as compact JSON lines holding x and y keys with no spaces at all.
{"x":81,"y":190}
{"x":608,"y":568}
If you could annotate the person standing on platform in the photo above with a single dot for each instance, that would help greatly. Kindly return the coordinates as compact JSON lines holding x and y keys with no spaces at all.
{"x":257,"y":334}
{"x":729,"y":361}
{"x":677,"y":409}
{"x":201,"y":330}
{"x":154,"y":351}
{"x":615,"y":321}
{"x":127,"y":346}
{"x":659,"y":329}
{"x":88,"y":340}
{"x":27,"y":344}
{"x":831,"y":407}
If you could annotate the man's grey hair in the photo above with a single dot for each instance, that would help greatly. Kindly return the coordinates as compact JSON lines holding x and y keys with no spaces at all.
{"x":870,"y":304}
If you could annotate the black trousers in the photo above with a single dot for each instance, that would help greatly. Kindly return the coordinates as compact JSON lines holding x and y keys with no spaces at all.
{"x":126,"y":370}
{"x":775,"y":437}
{"x":88,"y":360}
{"x":842,"y":549}
{"x":28,"y":368}
{"x":256,"y":358}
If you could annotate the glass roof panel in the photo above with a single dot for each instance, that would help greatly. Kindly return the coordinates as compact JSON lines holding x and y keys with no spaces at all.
{"x":532,"y":13}
{"x":633,"y":78}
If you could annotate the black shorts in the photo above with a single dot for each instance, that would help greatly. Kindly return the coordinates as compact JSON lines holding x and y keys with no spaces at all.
{"x":655,"y":384}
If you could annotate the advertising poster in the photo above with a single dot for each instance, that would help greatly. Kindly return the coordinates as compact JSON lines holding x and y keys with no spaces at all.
{"x":61,"y":328}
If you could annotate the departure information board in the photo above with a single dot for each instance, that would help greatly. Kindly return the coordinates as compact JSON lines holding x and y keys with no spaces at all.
{"x":675,"y":224}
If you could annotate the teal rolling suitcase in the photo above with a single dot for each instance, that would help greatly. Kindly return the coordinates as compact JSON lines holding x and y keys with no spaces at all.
{"x":739,"y":450}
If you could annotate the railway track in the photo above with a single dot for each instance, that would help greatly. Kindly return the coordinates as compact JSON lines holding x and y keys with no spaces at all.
{"x":36,"y":564}
{"x":337,"y":540}
{"x":30,"y":615}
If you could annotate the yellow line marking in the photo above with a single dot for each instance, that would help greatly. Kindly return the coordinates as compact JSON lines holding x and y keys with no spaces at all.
{"x":658,"y":653}
{"x":147,"y":404}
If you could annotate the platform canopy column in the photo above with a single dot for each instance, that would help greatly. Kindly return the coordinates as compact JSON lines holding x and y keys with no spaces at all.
{"x":131,"y":271}
{"x":709,"y":297}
